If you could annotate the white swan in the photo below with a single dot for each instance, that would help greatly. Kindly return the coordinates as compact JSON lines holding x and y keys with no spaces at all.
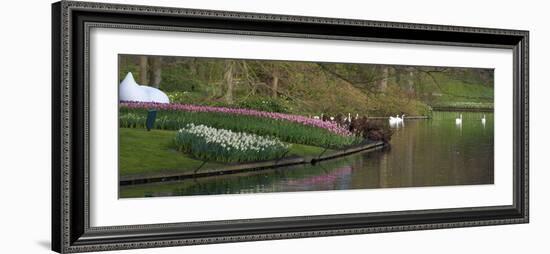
{"x":483,"y":120}
{"x":402,"y":118}
{"x":394,"y":120}
{"x":397,"y":121}
{"x":458,"y":121}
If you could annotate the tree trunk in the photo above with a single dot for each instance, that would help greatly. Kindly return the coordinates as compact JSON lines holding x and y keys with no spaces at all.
{"x":397,"y":75}
{"x":143,"y":77}
{"x":274,"y":82}
{"x":410,"y":80}
{"x":384,"y":80}
{"x":156,"y":76}
{"x":228,"y":80}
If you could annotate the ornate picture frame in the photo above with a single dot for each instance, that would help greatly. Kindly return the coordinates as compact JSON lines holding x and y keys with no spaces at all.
{"x":71,"y":229}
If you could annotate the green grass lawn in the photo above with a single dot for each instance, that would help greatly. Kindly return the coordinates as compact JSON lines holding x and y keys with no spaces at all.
{"x":460,"y":94}
{"x":304,"y":150}
{"x":143,"y":152}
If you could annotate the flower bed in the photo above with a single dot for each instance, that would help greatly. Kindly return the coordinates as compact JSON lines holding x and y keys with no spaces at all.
{"x":330,"y":126}
{"x":286,"y":131}
{"x":211,"y":144}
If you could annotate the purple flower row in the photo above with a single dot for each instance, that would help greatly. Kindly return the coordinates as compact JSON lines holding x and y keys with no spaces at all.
{"x":330,"y":126}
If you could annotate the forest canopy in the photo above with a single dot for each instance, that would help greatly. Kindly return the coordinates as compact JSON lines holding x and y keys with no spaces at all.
{"x":311,"y":88}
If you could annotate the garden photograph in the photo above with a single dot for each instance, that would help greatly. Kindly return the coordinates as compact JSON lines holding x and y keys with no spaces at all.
{"x":210,"y":126}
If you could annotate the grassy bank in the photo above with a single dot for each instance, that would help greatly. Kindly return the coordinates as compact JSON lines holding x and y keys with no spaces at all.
{"x":143,"y":152}
{"x":465,"y":106}
{"x":460,"y":94}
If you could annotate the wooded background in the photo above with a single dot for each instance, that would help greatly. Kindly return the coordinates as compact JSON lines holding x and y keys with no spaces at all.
{"x":311,"y":88}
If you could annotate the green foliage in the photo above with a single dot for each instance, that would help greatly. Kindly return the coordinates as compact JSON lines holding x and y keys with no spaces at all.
{"x":284,"y":130}
{"x":254,"y":102}
{"x":131,"y":120}
{"x":396,"y":102}
{"x":308,"y":88}
{"x":125,"y":67}
{"x":195,"y":98}
{"x":178,"y":78}
{"x":184,"y":97}
{"x":264,"y":104}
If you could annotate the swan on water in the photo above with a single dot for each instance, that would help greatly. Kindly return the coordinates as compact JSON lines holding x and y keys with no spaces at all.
{"x":397,"y":121}
{"x":394,"y":120}
{"x":458,"y":121}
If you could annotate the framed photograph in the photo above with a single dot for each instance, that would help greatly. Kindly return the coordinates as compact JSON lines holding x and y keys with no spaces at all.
{"x":181,"y":126}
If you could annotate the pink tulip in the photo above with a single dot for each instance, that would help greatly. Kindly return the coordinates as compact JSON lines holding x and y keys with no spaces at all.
{"x":330,"y":126}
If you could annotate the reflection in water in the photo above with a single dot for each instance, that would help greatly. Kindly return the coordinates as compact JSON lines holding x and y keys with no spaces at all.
{"x":434,"y":152}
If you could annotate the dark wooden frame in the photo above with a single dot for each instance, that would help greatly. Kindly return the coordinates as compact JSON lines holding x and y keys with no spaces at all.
{"x":71,"y":22}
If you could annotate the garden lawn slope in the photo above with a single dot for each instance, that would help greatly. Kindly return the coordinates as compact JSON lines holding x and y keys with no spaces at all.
{"x":461,"y":95}
{"x":153,"y":153}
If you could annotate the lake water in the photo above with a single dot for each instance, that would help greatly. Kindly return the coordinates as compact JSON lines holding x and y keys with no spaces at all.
{"x":433,"y":152}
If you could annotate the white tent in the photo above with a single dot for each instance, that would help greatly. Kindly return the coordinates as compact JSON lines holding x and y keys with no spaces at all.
{"x":129,"y":90}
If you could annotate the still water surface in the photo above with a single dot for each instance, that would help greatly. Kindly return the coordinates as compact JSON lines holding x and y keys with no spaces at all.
{"x":434,"y":152}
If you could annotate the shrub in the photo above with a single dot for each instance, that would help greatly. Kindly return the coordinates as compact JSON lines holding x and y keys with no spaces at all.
{"x":178,"y":97}
{"x":371,"y":129}
{"x":211,"y":144}
{"x":264,"y":104}
{"x":132,"y":120}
